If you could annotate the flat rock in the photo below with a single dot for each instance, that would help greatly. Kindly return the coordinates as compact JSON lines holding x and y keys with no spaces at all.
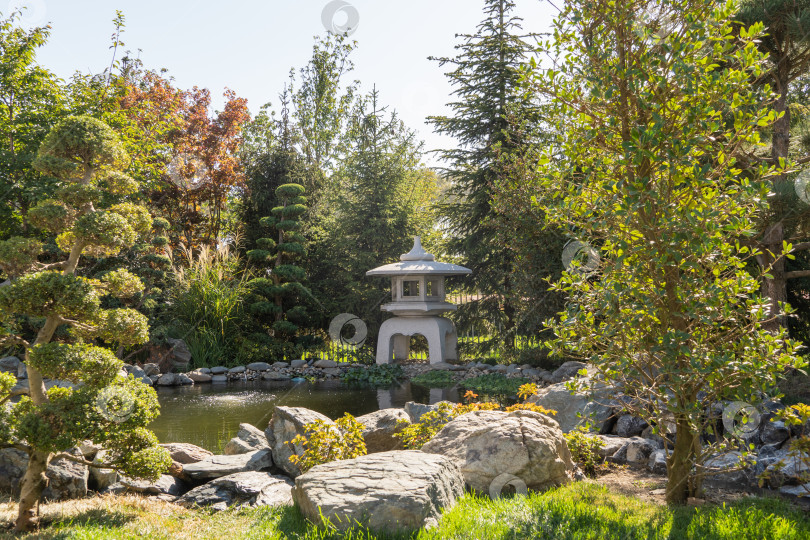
{"x":186,"y":453}
{"x":298,"y":364}
{"x":219,"y":370}
{"x":324,"y":363}
{"x":165,"y":485}
{"x":488,"y":444}
{"x":248,"y":439}
{"x":219,"y":378}
{"x":199,"y":377}
{"x":441,"y":366}
{"x":796,"y":491}
{"x":237,"y":369}
{"x":275,"y":376}
{"x":574,"y":409}
{"x":380,"y":429}
{"x":241,"y":490}
{"x":285,"y":424}
{"x":388,"y":491}
{"x":258,"y":366}
{"x":280,"y":365}
{"x":218,"y":466}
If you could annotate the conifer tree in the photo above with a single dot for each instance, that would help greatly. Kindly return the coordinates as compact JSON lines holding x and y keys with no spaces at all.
{"x":487,"y":82}
{"x":91,"y":217}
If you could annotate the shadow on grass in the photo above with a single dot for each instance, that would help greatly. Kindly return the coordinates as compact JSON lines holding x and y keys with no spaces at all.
{"x":55,"y":527}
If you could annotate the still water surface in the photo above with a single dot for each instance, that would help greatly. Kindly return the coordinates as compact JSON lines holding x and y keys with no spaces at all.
{"x":208,"y":415}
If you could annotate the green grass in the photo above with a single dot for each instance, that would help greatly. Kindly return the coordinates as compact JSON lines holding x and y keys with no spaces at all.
{"x":434,"y":379}
{"x":580,"y":511}
{"x":494,"y":384}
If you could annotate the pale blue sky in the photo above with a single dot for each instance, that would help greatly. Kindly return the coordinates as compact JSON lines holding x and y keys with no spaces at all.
{"x":250,"y":45}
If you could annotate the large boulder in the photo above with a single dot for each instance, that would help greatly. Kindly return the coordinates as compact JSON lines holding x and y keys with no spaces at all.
{"x":241,"y":489}
{"x":488,"y":444}
{"x":567,"y":371}
{"x":218,"y":466}
{"x":248,"y":439}
{"x":575,"y":409}
{"x":13,"y":464}
{"x":388,"y":491}
{"x":285,"y":424}
{"x":66,"y":479}
{"x":10,"y":364}
{"x":186,"y":453}
{"x":380,"y":428}
{"x":181,"y":356}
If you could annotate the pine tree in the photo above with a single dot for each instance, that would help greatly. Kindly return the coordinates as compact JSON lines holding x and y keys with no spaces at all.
{"x":488,"y":89}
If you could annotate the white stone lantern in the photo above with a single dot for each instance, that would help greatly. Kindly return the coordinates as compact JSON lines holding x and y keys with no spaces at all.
{"x":417,"y":301}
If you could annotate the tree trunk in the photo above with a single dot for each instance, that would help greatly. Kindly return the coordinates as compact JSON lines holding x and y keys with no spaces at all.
{"x":680,"y":464}
{"x":33,"y":484}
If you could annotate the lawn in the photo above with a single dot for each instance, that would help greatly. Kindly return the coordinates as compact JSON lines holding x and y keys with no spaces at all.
{"x":584,"y":510}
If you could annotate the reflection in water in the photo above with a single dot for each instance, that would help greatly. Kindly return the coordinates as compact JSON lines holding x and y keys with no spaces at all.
{"x":209,"y":415}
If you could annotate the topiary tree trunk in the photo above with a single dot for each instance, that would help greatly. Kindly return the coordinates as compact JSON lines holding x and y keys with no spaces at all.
{"x":91,"y":216}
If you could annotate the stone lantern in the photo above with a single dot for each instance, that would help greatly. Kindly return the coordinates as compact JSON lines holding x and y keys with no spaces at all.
{"x":417,"y":301}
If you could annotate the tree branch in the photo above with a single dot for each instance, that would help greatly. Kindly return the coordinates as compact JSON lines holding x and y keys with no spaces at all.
{"x":797,"y":274}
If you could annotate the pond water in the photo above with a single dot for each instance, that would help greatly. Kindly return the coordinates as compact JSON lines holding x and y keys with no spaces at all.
{"x":209,"y":415}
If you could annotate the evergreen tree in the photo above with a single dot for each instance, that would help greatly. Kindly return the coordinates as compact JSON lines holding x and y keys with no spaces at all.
{"x":488,"y":89}
{"x":278,"y":295}
{"x":91,"y":217}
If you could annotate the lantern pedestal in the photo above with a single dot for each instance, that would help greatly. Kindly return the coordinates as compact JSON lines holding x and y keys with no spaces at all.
{"x":395,"y":334}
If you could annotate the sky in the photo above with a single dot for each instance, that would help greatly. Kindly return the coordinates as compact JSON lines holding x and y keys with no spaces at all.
{"x":249,"y":46}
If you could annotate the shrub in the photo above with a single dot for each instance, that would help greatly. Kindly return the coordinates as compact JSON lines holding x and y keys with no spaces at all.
{"x":376,"y":375}
{"x":324,"y":443}
{"x":585,"y":450}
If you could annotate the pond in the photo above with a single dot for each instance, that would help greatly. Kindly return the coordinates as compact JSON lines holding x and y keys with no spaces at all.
{"x":209,"y":415}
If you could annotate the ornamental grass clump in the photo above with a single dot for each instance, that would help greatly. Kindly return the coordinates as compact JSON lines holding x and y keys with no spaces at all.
{"x":87,"y":158}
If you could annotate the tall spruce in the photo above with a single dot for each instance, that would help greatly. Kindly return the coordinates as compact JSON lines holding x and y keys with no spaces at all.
{"x":487,"y":87}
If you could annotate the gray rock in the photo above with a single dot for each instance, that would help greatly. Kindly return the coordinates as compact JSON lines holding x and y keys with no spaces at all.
{"x":285,"y":424}
{"x":441,"y":366}
{"x":237,"y":369}
{"x":199,"y":377}
{"x":788,"y":468}
{"x":500,"y":368}
{"x":184,"y":380}
{"x":280,"y":365}
{"x":258,"y":366}
{"x":531,"y":372}
{"x":512,"y":368}
{"x":22,"y":371}
{"x":167,"y":379}
{"x":297,"y":364}
{"x":89,"y":449}
{"x":241,"y":490}
{"x":487,"y":444}
{"x":248,"y":439}
{"x":20,"y":388}
{"x":333,"y":372}
{"x":219,"y":370}
{"x":181,"y":356}
{"x":636,"y":451}
{"x":66,"y":479}
{"x":416,"y":410}
{"x":796,"y":491}
{"x":165,"y":485}
{"x":774,"y":432}
{"x":610,"y":444}
{"x":575,"y":409}
{"x":218,"y":466}
{"x":657,"y":464}
{"x":135,"y":371}
{"x":629,"y":426}
{"x":380,"y":429}
{"x":10,"y":364}
{"x":219,"y":378}
{"x":204,"y":370}
{"x":102,"y":478}
{"x":388,"y":491}
{"x":151,"y":369}
{"x":13,"y":464}
{"x":567,"y":371}
{"x":185,"y":453}
{"x":729,"y":467}
{"x":324,"y":363}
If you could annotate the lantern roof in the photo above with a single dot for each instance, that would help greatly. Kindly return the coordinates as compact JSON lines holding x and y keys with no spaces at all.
{"x":419,"y":262}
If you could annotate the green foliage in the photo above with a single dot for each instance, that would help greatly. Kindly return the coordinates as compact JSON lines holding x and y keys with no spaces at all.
{"x":799,"y":450}
{"x":77,"y":145}
{"x":375,"y":375}
{"x":585,"y":450}
{"x":434,"y":379}
{"x":18,"y":255}
{"x":51,"y":293}
{"x":76,"y":363}
{"x":648,"y":173}
{"x":494,"y":384}
{"x":325,"y":442}
{"x":415,"y":435}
